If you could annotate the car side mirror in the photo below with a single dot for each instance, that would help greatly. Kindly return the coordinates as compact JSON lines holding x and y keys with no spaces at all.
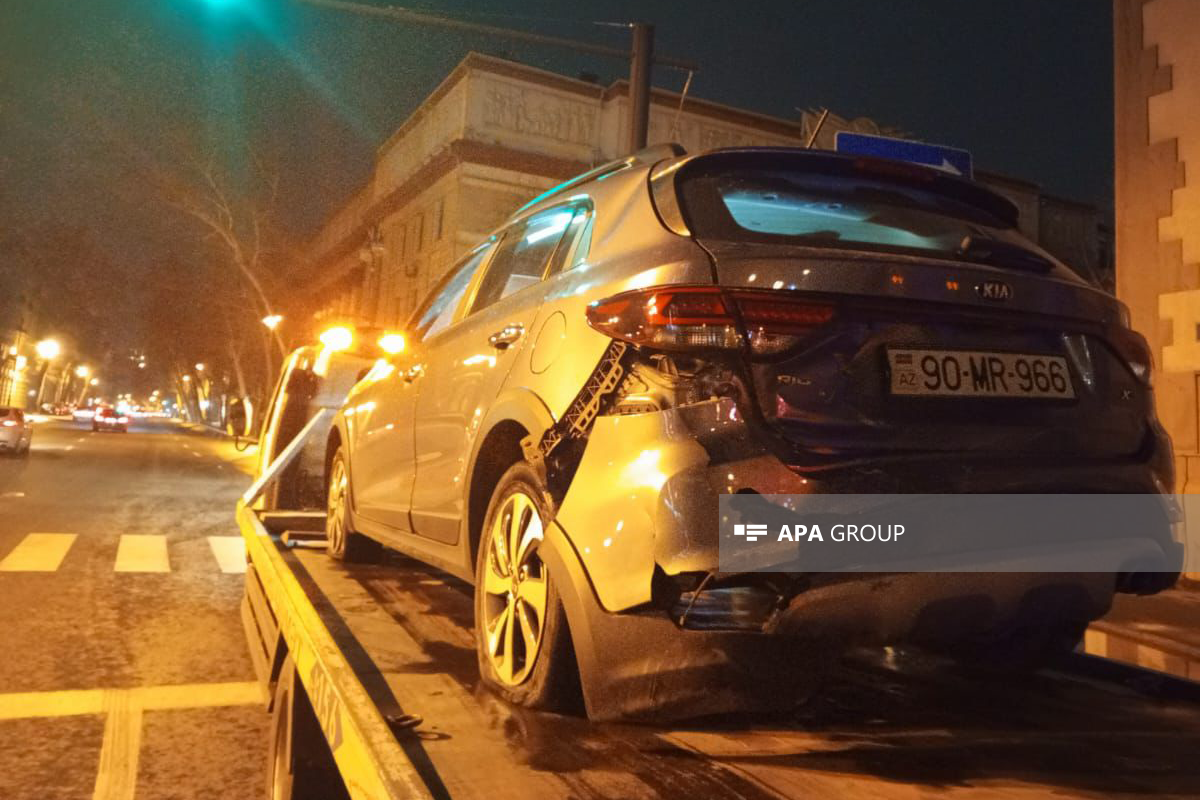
{"x":236,"y":418}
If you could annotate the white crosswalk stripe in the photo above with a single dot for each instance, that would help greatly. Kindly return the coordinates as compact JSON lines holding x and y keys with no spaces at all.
{"x":230,"y":552}
{"x":142,"y":553}
{"x":136,"y":553}
{"x":38,"y":552}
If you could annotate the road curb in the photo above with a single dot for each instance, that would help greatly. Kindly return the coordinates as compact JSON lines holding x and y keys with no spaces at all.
{"x":1118,"y":643}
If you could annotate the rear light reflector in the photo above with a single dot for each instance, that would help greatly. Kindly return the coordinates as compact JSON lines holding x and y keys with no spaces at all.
{"x":706,"y":317}
{"x":1134,"y":350}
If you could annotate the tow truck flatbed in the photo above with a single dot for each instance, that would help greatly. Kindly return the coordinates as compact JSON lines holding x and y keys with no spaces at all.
{"x":385,"y":657}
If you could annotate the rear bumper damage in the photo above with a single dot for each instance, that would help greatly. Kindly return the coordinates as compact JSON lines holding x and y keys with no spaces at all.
{"x":656,"y":627}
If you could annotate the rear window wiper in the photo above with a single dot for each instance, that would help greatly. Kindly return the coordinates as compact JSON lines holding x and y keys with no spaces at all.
{"x":997,"y":253}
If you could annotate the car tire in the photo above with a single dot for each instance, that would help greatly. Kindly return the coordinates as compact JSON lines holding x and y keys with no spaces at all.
{"x":300,"y":765}
{"x":504,"y":593}
{"x":341,"y":540}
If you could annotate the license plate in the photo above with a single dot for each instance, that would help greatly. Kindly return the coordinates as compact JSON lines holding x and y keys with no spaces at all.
{"x":969,"y":373}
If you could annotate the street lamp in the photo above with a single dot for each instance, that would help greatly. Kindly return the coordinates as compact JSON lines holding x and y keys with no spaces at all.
{"x":272,"y":321}
{"x":47,"y":350}
{"x":199,"y":368}
{"x":82,"y":371}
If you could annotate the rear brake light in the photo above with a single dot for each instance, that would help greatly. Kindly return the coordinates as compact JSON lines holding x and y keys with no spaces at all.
{"x":703,"y":317}
{"x":1134,"y":350}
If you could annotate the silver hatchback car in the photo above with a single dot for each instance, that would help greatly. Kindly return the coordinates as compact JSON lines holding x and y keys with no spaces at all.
{"x":579,"y":390}
{"x":16,"y":431}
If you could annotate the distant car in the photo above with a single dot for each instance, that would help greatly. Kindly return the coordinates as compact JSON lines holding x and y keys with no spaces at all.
{"x":109,"y":419}
{"x":16,"y":431}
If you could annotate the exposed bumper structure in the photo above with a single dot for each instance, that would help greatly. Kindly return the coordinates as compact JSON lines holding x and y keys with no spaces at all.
{"x":747,"y":646}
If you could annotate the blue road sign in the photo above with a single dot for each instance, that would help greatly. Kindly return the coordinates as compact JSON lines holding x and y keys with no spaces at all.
{"x":947,"y":159}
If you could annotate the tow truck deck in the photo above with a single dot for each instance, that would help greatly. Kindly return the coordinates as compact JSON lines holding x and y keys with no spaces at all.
{"x":384,"y":656}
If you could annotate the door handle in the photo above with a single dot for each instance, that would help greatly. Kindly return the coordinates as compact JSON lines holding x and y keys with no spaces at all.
{"x":412,"y":373}
{"x":502,"y":338}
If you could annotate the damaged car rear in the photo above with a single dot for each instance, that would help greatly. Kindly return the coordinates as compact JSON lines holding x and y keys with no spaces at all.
{"x":579,"y":390}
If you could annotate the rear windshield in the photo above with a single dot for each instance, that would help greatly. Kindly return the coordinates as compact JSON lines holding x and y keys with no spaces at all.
{"x":850,"y":210}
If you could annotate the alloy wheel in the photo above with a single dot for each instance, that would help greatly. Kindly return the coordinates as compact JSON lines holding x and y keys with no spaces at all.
{"x":335,"y":519}
{"x":514,"y":590}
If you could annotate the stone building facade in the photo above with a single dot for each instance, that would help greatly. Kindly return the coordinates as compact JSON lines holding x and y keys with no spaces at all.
{"x":1157,"y":205}
{"x":495,"y":134}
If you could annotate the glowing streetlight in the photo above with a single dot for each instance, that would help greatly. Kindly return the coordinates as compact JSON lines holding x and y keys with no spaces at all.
{"x":199,"y":368}
{"x":82,"y":371}
{"x":187,"y":378}
{"x":272,"y":320}
{"x":48,"y":349}
{"x":94,"y":382}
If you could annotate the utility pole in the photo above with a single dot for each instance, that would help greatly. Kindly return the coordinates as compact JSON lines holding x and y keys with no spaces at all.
{"x":639,"y":85}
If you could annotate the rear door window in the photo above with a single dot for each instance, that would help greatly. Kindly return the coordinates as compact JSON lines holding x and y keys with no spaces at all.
{"x":523,"y":256}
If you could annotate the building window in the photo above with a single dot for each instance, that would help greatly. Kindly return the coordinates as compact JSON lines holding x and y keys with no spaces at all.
{"x":412,"y":268}
{"x":419,"y":233}
{"x":439,"y":212}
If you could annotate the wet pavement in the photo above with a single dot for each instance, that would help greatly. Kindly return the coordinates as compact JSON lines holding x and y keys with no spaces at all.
{"x":125,"y":670}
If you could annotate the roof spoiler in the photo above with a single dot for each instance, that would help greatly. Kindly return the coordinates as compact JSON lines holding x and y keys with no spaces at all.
{"x":646,"y":157}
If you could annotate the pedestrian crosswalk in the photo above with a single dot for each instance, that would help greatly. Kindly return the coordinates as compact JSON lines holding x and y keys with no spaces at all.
{"x":38,"y":552}
{"x":142,"y":553}
{"x":135,"y":553}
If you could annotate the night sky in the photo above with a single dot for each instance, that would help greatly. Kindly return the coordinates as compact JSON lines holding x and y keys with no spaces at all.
{"x":90,"y":91}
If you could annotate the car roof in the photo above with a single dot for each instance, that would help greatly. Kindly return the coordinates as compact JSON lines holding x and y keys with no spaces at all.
{"x":645,"y":159}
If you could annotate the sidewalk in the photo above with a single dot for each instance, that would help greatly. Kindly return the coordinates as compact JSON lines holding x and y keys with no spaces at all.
{"x":1159,"y":632}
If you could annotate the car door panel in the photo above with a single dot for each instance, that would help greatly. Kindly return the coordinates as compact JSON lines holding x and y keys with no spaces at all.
{"x":468,"y":364}
{"x":381,"y":415}
{"x":382,"y":412}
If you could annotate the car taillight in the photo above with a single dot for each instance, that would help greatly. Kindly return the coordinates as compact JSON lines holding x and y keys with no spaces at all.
{"x":1134,"y":350}
{"x":705,"y":317}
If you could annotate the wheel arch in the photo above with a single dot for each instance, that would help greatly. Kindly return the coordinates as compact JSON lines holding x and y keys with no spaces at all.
{"x":516,"y":414}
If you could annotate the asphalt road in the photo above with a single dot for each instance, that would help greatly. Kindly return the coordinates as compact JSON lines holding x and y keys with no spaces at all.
{"x":123,"y":668}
